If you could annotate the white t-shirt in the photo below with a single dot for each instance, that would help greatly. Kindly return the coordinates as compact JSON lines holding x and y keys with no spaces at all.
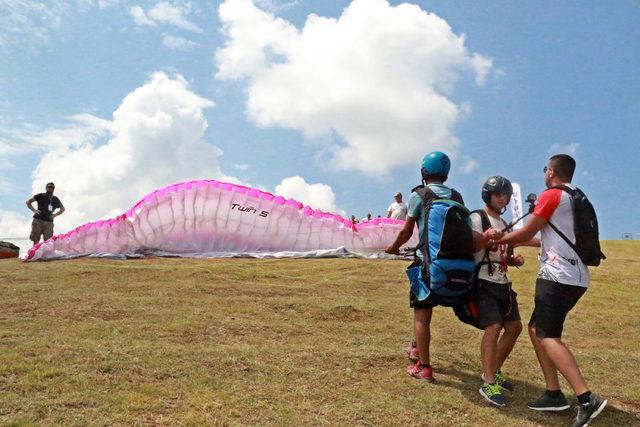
{"x":398,"y":210}
{"x":558,"y":261}
{"x":495,"y":256}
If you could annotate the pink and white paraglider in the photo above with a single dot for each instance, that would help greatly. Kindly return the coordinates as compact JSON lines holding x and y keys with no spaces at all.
{"x":208,"y":217}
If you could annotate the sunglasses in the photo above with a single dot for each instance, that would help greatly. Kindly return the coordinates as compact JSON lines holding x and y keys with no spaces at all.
{"x":50,"y":186}
{"x":545,"y":169}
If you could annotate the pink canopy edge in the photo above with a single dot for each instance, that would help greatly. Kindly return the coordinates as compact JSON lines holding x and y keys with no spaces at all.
{"x":253,"y":192}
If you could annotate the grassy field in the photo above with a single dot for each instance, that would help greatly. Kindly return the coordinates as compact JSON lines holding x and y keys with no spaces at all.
{"x":193,"y":342}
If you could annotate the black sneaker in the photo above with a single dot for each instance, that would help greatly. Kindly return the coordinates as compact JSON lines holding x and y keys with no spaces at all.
{"x":548,"y":403}
{"x":589,"y":411}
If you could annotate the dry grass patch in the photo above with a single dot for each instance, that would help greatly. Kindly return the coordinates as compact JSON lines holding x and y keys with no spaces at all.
{"x":193,"y":342}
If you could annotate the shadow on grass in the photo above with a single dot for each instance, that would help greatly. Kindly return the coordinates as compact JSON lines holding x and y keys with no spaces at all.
{"x":469,"y":383}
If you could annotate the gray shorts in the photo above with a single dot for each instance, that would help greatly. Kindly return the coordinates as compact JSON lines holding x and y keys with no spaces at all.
{"x":41,"y":228}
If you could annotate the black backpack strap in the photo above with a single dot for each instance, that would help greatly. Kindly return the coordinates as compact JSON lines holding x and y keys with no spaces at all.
{"x":565,"y":188}
{"x":571,"y":193}
{"x":427,"y":196}
{"x":456,"y":197}
{"x":416,"y":188}
{"x":486,"y":224}
{"x":564,"y":237}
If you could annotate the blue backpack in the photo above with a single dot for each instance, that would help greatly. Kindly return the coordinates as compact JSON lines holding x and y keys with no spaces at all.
{"x":448,"y":269}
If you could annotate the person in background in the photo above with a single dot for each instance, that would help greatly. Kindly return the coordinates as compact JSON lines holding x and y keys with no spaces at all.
{"x":49,"y":207}
{"x":397,"y":209}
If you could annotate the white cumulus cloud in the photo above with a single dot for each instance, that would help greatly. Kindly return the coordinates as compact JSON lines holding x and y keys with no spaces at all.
{"x":21,"y":141}
{"x":14,"y":225}
{"x":81,"y":129}
{"x":318,"y":196}
{"x":154,"y":139}
{"x":379,"y":77}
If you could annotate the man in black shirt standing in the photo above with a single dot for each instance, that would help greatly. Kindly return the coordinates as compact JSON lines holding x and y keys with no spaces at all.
{"x":42,"y":224}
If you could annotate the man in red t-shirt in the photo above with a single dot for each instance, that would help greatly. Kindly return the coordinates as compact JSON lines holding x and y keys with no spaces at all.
{"x":562,"y":280}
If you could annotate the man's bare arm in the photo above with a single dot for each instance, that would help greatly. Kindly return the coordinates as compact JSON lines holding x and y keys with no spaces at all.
{"x":485,"y":239}
{"x":403,"y":236}
{"x":479,"y":241}
{"x":59,"y":212}
{"x":29,"y":204}
{"x":535,"y":243}
{"x":526,"y":233}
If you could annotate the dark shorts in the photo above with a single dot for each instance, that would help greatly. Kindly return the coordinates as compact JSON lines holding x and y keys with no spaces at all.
{"x":430,"y":302}
{"x":40,"y":228}
{"x":552,"y":303}
{"x":496,"y":303}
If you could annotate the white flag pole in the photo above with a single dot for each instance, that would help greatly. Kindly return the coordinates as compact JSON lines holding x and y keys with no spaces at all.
{"x":516,"y":204}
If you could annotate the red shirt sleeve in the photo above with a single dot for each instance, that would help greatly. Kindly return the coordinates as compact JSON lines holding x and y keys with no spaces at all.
{"x":547,"y":203}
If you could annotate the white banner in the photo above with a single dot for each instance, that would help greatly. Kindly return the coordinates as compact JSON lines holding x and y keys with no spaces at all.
{"x":516,"y":205}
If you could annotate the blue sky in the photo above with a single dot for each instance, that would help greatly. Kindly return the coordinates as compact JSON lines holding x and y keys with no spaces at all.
{"x":331,"y":102}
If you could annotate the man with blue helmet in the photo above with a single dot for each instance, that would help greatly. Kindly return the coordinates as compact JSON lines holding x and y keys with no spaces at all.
{"x":435,"y":171}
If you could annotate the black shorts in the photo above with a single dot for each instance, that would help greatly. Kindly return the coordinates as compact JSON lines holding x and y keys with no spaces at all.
{"x":430,"y":302}
{"x":496,"y":303}
{"x":552,"y":303}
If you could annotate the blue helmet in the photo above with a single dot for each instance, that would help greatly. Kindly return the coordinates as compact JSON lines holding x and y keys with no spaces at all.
{"x":436,"y":163}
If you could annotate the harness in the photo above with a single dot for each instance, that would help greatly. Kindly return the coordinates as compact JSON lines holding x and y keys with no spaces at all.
{"x":486,"y":224}
{"x":503,"y":263}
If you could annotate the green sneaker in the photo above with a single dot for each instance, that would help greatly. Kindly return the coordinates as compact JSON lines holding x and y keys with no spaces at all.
{"x":501,"y":381}
{"x":491,"y":392}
